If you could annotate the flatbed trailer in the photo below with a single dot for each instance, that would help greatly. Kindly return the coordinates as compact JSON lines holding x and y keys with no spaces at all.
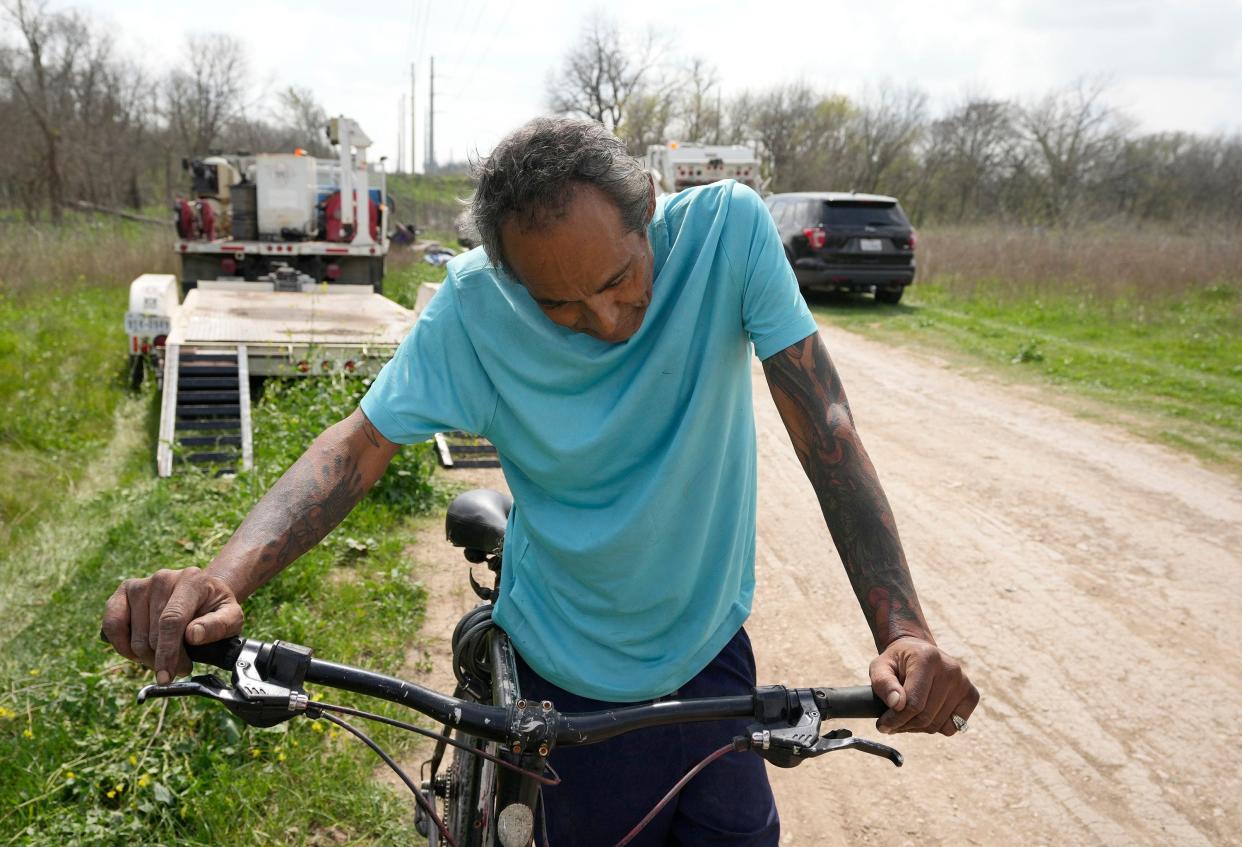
{"x":226,"y":332}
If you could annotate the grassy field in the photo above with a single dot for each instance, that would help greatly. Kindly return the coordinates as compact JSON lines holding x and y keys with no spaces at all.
{"x":85,"y":764}
{"x":1157,"y":348}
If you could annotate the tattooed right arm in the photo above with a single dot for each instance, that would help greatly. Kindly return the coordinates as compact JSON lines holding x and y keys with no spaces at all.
{"x":305,"y":504}
{"x":147,"y":619}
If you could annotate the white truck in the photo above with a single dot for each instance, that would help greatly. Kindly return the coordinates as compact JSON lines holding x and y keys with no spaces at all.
{"x":676,"y":165}
{"x":290,"y":290}
{"x":249,"y":215}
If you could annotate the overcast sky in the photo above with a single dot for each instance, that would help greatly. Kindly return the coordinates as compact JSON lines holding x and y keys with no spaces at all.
{"x":1170,"y":65}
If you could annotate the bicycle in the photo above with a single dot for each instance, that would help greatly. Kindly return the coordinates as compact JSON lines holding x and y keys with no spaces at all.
{"x":491,"y":790}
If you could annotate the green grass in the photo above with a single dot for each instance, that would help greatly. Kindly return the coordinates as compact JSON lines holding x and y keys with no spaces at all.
{"x":1168,"y":369}
{"x":83,"y":511}
{"x":402,"y":282}
{"x":429,"y":202}
{"x":205,"y":778}
{"x":62,"y":371}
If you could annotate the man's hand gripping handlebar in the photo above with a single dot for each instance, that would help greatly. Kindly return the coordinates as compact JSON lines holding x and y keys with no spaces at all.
{"x":788,"y":720}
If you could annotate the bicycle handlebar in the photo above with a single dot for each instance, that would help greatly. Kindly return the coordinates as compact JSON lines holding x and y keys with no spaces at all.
{"x":529,"y":723}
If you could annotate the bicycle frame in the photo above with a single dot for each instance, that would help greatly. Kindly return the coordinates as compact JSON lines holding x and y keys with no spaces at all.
{"x":499,"y":790}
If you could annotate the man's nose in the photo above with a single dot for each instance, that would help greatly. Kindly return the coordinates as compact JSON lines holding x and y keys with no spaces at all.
{"x":604,"y":317}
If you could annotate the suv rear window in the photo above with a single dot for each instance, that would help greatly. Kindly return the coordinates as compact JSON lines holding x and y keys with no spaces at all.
{"x":862,"y":214}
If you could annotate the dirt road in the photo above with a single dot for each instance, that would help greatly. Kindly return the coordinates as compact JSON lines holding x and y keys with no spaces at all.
{"x":1089,"y":581}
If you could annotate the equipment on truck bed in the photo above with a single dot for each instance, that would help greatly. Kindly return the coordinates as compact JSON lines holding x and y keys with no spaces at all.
{"x":677,"y":165}
{"x":247,"y":212}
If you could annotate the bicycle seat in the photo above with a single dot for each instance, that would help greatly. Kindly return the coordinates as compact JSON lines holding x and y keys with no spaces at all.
{"x":476,"y":520}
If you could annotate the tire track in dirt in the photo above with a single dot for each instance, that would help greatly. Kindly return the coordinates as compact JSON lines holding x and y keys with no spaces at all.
{"x":1083,"y":575}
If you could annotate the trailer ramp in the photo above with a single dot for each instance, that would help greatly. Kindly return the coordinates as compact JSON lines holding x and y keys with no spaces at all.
{"x":205,"y":413}
{"x":459,"y":449}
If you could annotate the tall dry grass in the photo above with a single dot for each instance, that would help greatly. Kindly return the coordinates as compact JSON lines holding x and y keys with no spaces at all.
{"x":1105,"y":264}
{"x":86,"y":251}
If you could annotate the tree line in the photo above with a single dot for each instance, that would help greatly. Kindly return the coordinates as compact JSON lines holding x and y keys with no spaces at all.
{"x":80,"y":122}
{"x":1062,"y":159}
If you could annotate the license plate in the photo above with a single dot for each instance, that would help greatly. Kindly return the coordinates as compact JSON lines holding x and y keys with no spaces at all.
{"x":146,"y":325}
{"x":871,"y":245}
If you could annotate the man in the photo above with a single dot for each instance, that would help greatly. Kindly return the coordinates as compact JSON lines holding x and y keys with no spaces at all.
{"x":602,"y":341}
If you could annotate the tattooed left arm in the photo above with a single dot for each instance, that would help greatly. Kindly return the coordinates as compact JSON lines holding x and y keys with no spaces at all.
{"x":923,"y":686}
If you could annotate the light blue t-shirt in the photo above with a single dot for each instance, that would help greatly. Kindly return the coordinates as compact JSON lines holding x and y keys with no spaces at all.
{"x":629,"y":555}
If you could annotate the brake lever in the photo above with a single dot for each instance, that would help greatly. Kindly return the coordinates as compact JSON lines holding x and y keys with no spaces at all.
{"x":207,"y":685}
{"x":787,"y":731}
{"x":785,"y":752}
{"x":263,"y":711}
{"x":843,"y":739}
{"x":259,"y":697}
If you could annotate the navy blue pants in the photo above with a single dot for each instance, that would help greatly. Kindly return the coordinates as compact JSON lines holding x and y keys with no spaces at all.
{"x":609,"y":787}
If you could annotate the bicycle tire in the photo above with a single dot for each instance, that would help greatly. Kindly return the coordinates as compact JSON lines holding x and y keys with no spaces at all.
{"x":461,"y":807}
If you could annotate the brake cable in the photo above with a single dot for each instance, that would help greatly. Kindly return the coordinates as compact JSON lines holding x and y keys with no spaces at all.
{"x":316,"y":707}
{"x":423,"y":802}
{"x":672,"y":792}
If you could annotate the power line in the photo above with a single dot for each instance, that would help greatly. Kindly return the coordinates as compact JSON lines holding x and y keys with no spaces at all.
{"x":410,"y":31}
{"x":475,"y":26}
{"x":461,"y":16}
{"x":431,"y":121}
{"x":474,"y":70}
{"x":424,"y":26}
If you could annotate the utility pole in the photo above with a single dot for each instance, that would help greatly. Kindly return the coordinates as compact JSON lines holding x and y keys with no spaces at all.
{"x":719,"y":111}
{"x":413,"y":122}
{"x":401,"y":134}
{"x":431,"y":119}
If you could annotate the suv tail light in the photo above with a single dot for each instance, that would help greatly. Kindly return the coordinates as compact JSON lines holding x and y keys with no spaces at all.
{"x":815,"y":237}
{"x":914,"y":237}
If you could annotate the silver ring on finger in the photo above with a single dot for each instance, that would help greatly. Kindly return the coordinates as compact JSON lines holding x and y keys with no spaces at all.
{"x":960,"y":723}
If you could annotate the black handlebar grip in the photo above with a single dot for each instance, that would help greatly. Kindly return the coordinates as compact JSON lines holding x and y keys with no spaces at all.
{"x":857,"y":701}
{"x":223,"y":654}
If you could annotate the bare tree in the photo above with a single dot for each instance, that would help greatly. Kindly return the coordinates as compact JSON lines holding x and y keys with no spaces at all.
{"x":300,"y":114}
{"x":647,"y":117}
{"x":801,"y":134}
{"x":965,"y":157}
{"x":201,"y":100}
{"x":1071,"y":134}
{"x":41,"y":72}
{"x":603,"y":73}
{"x":886,"y":128}
{"x":699,"y":106}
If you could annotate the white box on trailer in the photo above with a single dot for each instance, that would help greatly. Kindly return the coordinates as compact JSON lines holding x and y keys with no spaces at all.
{"x":287,"y":193}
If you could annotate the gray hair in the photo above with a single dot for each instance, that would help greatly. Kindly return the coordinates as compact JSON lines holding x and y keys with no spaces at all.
{"x":533,"y":172}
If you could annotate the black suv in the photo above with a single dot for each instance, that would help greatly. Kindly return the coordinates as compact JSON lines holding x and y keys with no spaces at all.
{"x":847,"y":242}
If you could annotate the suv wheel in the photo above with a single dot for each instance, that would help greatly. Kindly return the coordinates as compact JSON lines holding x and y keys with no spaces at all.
{"x":891,"y":295}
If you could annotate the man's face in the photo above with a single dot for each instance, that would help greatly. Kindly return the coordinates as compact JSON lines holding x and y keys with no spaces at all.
{"x":583,"y":269}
